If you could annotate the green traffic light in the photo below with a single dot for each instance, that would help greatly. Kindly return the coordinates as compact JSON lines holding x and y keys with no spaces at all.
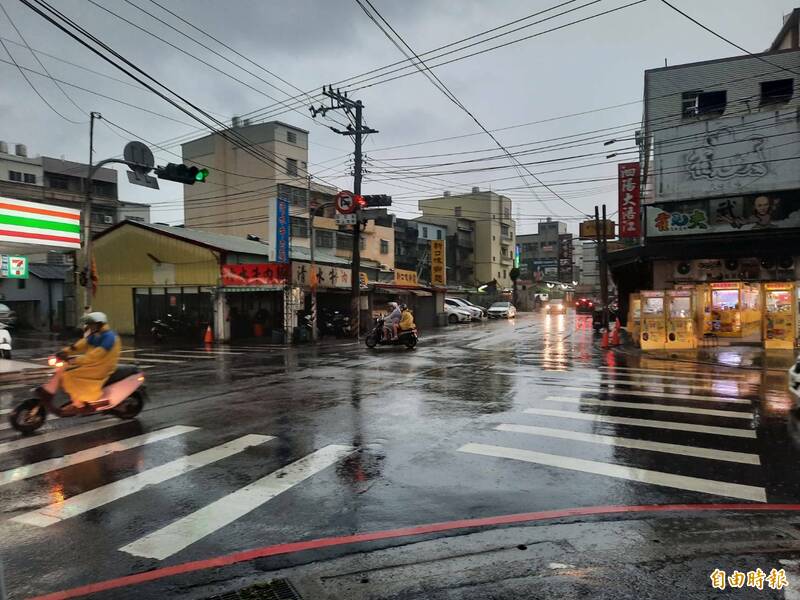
{"x":201,"y":175}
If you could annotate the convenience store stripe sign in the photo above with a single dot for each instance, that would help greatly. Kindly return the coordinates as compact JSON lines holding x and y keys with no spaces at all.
{"x":33,"y":223}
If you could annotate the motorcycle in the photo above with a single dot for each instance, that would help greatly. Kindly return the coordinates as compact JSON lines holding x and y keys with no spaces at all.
{"x":597,"y":317}
{"x":407,"y":338}
{"x":123,"y":396}
{"x":172,"y":326}
{"x":334,"y":322}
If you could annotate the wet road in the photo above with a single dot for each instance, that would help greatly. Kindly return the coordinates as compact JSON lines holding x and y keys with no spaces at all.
{"x":246,"y":446}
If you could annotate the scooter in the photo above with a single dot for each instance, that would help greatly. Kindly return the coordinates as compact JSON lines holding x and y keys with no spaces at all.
{"x":407,"y":338}
{"x":123,"y":396}
{"x":172,"y":326}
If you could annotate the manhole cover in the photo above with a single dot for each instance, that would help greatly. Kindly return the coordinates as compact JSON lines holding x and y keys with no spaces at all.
{"x":277,"y":589}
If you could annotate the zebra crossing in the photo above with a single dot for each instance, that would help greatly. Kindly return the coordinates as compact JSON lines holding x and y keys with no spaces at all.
{"x":649,"y":413}
{"x":185,"y":529}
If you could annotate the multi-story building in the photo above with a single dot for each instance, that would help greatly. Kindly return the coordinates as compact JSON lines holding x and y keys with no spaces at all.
{"x":133,"y":211}
{"x":539,"y":252}
{"x":719,"y":167}
{"x":482,"y":235}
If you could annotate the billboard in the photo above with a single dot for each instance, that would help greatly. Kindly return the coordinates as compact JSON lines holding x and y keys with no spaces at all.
{"x":438,"y":273}
{"x":33,"y":223}
{"x":629,"y":200}
{"x":405,"y":277}
{"x":727,"y":157}
{"x":588,"y":230}
{"x":755,"y":212}
{"x":282,"y":241}
{"x":326,"y":276}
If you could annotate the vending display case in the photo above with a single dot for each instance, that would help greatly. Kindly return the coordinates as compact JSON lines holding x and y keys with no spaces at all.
{"x":680,"y":314}
{"x":779,"y":315}
{"x":733,"y":309}
{"x":653,"y":321}
{"x":635,"y":318}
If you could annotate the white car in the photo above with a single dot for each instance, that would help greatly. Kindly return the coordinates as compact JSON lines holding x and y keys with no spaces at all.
{"x":477,"y":313}
{"x":457,"y":315}
{"x":794,"y":381}
{"x":555,"y":307}
{"x":502,"y":310}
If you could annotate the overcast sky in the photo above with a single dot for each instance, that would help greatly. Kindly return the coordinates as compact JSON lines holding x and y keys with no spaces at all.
{"x":590,"y":65}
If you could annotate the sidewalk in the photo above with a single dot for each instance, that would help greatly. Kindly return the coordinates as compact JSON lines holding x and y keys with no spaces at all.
{"x":18,"y":370}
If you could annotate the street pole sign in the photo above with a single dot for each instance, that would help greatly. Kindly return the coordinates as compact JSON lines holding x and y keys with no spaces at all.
{"x":141,"y":161}
{"x":13,"y":267}
{"x":346,"y":218}
{"x":345,"y":203}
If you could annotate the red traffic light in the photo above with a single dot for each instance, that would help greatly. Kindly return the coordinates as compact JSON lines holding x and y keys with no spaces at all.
{"x":359,"y":201}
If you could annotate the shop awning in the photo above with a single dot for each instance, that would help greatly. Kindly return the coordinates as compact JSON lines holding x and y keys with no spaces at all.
{"x":253,"y":288}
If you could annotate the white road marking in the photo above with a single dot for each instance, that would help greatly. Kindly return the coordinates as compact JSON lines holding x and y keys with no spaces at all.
{"x":57,"y":434}
{"x":223,"y":352}
{"x":153,"y":360}
{"x":696,"y":377}
{"x":721,"y":374}
{"x":186,"y":531}
{"x":148,"y":355}
{"x":5,"y":411}
{"x":77,"y":505}
{"x":6,"y":425}
{"x":728,"y":431}
{"x":682,"y":482}
{"x":645,"y":384}
{"x":733,"y":414}
{"x":45,"y":466}
{"x":623,"y":442}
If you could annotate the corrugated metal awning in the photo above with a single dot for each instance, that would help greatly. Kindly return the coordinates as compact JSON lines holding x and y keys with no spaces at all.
{"x":253,"y":288}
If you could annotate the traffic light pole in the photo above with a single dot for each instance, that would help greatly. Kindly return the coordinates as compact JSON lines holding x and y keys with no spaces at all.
{"x":87,"y":227}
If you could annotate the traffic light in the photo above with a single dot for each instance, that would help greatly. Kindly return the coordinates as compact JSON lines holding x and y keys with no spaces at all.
{"x":375,"y":200}
{"x":182,"y":173}
{"x":359,"y":201}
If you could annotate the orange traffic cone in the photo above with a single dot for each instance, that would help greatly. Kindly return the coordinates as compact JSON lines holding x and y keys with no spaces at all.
{"x":604,"y":341}
{"x":615,"y":334}
{"x":209,"y":336}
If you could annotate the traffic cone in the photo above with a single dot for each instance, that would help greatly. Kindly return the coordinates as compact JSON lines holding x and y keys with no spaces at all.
{"x":209,"y":336}
{"x":615,"y":334}
{"x":604,"y":341}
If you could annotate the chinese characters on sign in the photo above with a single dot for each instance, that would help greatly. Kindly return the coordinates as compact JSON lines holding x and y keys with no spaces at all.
{"x":629,"y":200}
{"x":326,"y":276}
{"x":403,"y":277}
{"x":438,"y":276}
{"x":776,"y":579}
{"x":255,"y":274}
{"x":282,"y":230}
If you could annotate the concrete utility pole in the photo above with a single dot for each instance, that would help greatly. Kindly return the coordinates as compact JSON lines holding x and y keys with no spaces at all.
{"x":355,"y":110}
{"x":601,"y":261}
{"x":313,"y":274}
{"x":87,"y":227}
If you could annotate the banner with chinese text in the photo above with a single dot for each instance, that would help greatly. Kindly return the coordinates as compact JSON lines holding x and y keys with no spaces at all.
{"x":438,"y":259}
{"x":282,"y":242}
{"x":629,"y":200}
{"x":255,"y":274}
{"x":404,"y":277}
{"x":326,"y":276}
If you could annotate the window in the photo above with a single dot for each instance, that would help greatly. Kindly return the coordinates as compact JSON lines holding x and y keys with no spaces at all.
{"x":438,"y":234}
{"x":776,"y":92}
{"x":494,"y":238}
{"x":425,"y":232}
{"x":457,"y":211}
{"x":30,"y":178}
{"x":298,"y":227}
{"x":505,"y":231}
{"x":15,"y":175}
{"x":507,"y":212}
{"x":291,"y":166}
{"x":291,"y":137}
{"x":689,"y":103}
{"x":344,"y":241}
{"x":324,"y":239}
{"x":504,"y":273}
{"x":21,"y":284}
{"x":384,"y":246}
{"x":59,"y":183}
{"x":494,"y":259}
{"x":696,"y":103}
{"x":362,"y":242}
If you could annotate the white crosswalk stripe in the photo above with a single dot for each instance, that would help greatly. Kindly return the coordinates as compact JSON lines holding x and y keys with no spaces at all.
{"x":57,"y":434}
{"x":689,"y":410}
{"x":717,"y":374}
{"x":77,"y":505}
{"x":178,"y":535}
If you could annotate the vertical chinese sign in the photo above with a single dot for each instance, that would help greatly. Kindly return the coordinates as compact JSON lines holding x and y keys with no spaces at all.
{"x":629,"y":201}
{"x":438,"y":277}
{"x":282,"y":230}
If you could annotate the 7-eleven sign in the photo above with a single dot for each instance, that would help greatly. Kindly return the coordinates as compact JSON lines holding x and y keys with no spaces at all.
{"x":14,"y":267}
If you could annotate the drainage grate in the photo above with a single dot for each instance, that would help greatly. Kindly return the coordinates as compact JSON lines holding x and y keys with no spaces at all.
{"x":277,"y":589}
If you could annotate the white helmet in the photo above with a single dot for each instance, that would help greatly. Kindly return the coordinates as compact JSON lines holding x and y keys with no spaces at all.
{"x":95,"y":317}
{"x":393,"y":304}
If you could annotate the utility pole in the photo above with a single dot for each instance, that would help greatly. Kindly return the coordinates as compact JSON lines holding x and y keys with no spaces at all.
{"x":601,"y":260}
{"x":355,"y":110}
{"x":87,"y":227}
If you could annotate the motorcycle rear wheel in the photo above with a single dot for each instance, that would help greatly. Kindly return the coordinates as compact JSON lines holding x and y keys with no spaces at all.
{"x":410,"y":342}
{"x":371,"y":341}
{"x":22,"y":419}
{"x":130,"y":407}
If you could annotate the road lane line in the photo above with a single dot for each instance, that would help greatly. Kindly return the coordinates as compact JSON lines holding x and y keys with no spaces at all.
{"x":661,"y":384}
{"x":222,"y":352}
{"x":186,"y":531}
{"x":732,"y":414}
{"x":697,"y":376}
{"x":623,"y":442}
{"x":677,"y":426}
{"x":7,"y":425}
{"x":77,"y":505}
{"x":153,"y":360}
{"x":57,"y":434}
{"x":149,"y":355}
{"x":677,"y":372}
{"x":681,"y":482}
{"x":45,"y":466}
{"x":5,"y":411}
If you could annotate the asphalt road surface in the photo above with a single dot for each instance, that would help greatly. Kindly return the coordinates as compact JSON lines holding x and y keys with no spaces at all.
{"x":249,"y":447}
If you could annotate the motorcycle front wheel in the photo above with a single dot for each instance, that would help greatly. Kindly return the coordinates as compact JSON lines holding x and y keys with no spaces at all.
{"x":130,"y":407}
{"x":410,"y":341}
{"x":28,"y":416}
{"x":371,"y":341}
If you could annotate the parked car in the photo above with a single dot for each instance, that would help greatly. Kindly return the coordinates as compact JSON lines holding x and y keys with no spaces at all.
{"x":481,"y":308}
{"x":555,"y":307}
{"x":457,"y":315}
{"x":7,"y":316}
{"x":477,"y":313}
{"x":584,"y":306}
{"x":502,"y":310}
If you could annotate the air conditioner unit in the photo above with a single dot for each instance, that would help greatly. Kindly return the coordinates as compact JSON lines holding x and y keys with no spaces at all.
{"x":108,"y":219}
{"x":683,"y":268}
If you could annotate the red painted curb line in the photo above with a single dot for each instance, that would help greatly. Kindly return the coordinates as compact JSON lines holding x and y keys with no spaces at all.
{"x":277,"y":549}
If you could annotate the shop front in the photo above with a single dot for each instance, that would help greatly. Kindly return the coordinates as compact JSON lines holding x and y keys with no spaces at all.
{"x":254,"y":300}
{"x":425,"y":302}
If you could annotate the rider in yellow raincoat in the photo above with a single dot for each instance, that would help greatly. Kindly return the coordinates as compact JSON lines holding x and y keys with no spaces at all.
{"x":406,"y":319}
{"x":96,"y":359}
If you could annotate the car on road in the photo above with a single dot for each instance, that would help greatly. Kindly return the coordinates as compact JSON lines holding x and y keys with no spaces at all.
{"x":502,"y":310}
{"x":477,"y":313}
{"x":555,"y":307}
{"x":7,"y":316}
{"x":478,"y":306}
{"x":584,"y":306}
{"x":457,"y":315}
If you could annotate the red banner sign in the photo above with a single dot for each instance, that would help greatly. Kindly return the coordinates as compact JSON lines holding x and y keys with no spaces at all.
{"x":255,"y":274}
{"x":630,"y":223}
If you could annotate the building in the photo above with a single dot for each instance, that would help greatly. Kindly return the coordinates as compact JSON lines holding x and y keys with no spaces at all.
{"x":133,"y":211}
{"x":539,"y":252}
{"x":482,"y":235}
{"x":719,"y":172}
{"x":39,"y":299}
{"x":577,"y":260}
{"x":412,"y":245}
{"x":249,"y":182}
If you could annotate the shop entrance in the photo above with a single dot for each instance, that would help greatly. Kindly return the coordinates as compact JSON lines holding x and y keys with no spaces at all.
{"x":187,"y":310}
{"x":256,"y":314}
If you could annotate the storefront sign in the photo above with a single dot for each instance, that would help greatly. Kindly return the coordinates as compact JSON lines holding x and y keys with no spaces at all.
{"x":727,"y":157}
{"x":588,"y":230}
{"x":756,"y":212}
{"x":326,"y":276}
{"x":13,"y":267}
{"x":517,"y":254}
{"x":41,"y":224}
{"x":403,"y":277}
{"x":629,"y":201}
{"x":282,"y":242}
{"x":438,"y":273}
{"x":255,"y":274}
